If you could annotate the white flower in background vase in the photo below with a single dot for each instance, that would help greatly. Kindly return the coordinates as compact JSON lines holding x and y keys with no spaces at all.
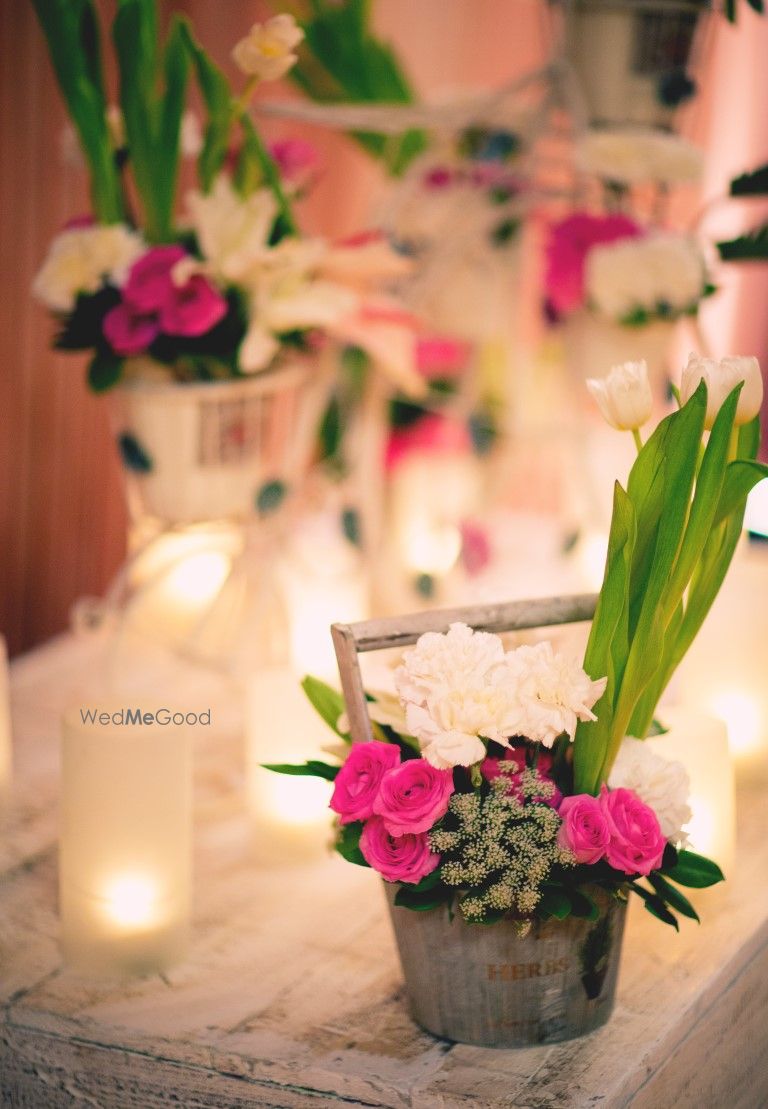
{"x":552,"y":693}
{"x":662,"y":783}
{"x":624,"y":396}
{"x":721,"y":377}
{"x":660,"y":271}
{"x":81,"y":259}
{"x":442,"y":662}
{"x":268,"y":50}
{"x":631,"y":155}
{"x":232,"y":231}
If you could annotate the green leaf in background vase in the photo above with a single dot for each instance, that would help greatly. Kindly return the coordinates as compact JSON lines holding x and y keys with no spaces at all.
{"x":133,"y":455}
{"x":104,"y":371}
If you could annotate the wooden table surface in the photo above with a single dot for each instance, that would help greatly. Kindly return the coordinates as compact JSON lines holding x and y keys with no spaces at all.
{"x":292,"y":996}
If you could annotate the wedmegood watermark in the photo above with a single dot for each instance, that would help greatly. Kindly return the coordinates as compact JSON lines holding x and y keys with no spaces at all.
{"x":133,"y":716}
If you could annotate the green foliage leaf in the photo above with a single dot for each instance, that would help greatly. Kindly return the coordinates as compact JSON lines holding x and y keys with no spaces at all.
{"x":422,"y":900}
{"x":348,"y":843}
{"x":313,"y":768}
{"x":328,"y":702}
{"x":753,"y":183}
{"x":750,"y":247}
{"x":554,"y":902}
{"x":694,"y":871}
{"x":673,"y":897}
{"x":655,"y":906}
{"x":71,"y":29}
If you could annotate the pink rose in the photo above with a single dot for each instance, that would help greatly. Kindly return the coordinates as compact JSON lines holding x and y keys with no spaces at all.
{"x":128,"y":332}
{"x":413,"y":797}
{"x":442,"y":356}
{"x":357,"y":783}
{"x":149,"y":281}
{"x":432,"y":434}
{"x":584,"y":831}
{"x":397,"y":858}
{"x":570,"y":241}
{"x":192,"y":308}
{"x":636,"y":845}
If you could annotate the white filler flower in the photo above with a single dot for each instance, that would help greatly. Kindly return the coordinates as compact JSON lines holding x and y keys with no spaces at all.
{"x":630,"y":155}
{"x":662,"y":783}
{"x":663,"y":270}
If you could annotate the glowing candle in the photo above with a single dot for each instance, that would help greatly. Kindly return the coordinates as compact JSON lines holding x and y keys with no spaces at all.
{"x":700,"y":743}
{"x":290,"y":814}
{"x":5,"y":727}
{"x":724,"y":672}
{"x":177,"y":578}
{"x":430,"y":497}
{"x":125,"y":852}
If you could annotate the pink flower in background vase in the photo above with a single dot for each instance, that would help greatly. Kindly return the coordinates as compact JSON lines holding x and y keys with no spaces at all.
{"x":476,"y":550}
{"x":636,"y":844}
{"x":192,"y":308}
{"x":296,"y":159}
{"x":441,"y":356}
{"x":431,"y":434}
{"x":150,"y":281}
{"x":570,"y":241}
{"x":358,"y":782}
{"x":585,"y":830}
{"x":405,"y":858}
{"x":413,"y":797}
{"x":129,"y":332}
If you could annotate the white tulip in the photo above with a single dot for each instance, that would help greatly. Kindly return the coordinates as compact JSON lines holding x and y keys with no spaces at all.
{"x":721,"y":378}
{"x":624,"y":395}
{"x":267,"y":51}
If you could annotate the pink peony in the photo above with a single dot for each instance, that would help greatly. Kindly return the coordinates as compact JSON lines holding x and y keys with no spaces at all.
{"x":636,"y":843}
{"x":404,"y":858}
{"x":413,"y":797}
{"x":192,"y":308}
{"x":570,"y":241}
{"x":150,"y":281}
{"x":357,"y":783}
{"x":585,"y":830}
{"x":128,"y":332}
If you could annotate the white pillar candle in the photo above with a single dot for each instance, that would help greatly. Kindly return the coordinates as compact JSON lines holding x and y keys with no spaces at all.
{"x":290,"y":814}
{"x":724,"y":673}
{"x":5,"y":727}
{"x":700,"y":743}
{"x":125,"y":852}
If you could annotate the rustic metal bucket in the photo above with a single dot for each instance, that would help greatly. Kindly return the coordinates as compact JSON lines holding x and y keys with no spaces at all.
{"x":487,"y":985}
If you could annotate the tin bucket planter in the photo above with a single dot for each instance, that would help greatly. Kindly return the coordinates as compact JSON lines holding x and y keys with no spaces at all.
{"x":202,"y":451}
{"x":632,"y":57}
{"x":486,"y":984}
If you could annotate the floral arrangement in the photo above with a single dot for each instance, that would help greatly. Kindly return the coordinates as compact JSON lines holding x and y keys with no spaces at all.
{"x":627,"y":156}
{"x":513,"y":784}
{"x":228,"y":285}
{"x":619,"y":270}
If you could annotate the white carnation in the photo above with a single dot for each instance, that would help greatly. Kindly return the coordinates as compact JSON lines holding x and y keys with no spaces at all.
{"x":663,"y":270}
{"x":81,"y":259}
{"x":630,"y":155}
{"x":663,"y":784}
{"x":440,"y":663}
{"x":552,"y":693}
{"x":444,"y":731}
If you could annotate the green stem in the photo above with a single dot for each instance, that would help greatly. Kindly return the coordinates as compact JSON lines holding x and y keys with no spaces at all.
{"x":637,"y":438}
